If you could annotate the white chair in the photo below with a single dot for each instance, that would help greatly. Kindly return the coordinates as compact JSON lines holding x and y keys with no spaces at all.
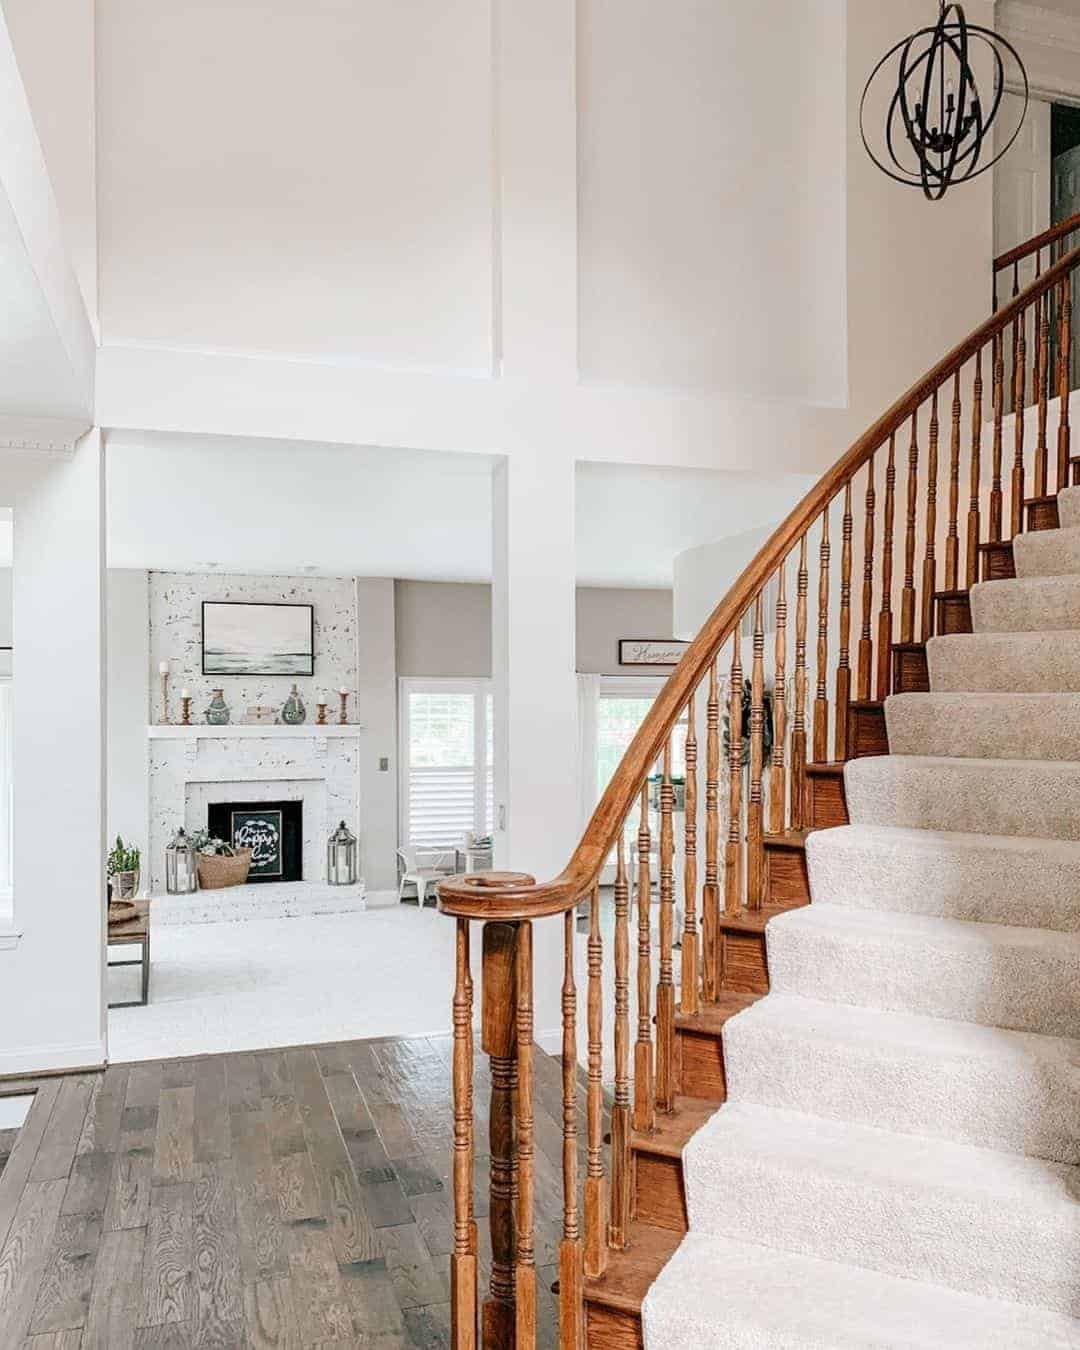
{"x":412,"y":874}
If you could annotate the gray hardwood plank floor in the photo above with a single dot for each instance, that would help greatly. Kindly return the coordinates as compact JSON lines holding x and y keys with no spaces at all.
{"x":259,"y":1201}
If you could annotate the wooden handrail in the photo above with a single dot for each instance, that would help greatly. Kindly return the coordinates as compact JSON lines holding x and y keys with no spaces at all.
{"x":1037,"y":242}
{"x":510,"y":897}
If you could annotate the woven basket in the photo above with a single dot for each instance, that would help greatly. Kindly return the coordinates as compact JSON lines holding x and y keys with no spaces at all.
{"x":217,"y":871}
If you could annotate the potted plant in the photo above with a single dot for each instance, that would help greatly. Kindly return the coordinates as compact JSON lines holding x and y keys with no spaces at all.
{"x":219,"y":864}
{"x":123,"y":870}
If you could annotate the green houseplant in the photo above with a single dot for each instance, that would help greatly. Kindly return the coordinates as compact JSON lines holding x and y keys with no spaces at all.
{"x":123,"y":867}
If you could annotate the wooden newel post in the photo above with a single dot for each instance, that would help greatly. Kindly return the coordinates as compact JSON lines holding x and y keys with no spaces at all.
{"x":499,"y":1042}
{"x":463,"y":1260}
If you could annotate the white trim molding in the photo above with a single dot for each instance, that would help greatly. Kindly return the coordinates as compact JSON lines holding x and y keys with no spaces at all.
{"x":46,"y":1059}
{"x":54,"y":437}
{"x":1048,"y":41}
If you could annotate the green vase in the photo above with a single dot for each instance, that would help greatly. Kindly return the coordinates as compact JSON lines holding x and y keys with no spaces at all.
{"x":217,"y":715}
{"x":294,"y":712}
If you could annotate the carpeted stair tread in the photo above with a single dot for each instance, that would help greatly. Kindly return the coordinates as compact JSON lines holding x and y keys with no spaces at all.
{"x":1048,"y":553}
{"x":1027,"y":979}
{"x":1026,"y":605}
{"x":985,"y":878}
{"x":1069,"y":506}
{"x":1005,"y":662}
{"x":723,"y":1294}
{"x":985,"y":726}
{"x":909,"y":1072}
{"x":996,"y":796}
{"x":986,"y":1221}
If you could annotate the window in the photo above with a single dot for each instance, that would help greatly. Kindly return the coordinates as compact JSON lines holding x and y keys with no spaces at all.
{"x":447,"y":758}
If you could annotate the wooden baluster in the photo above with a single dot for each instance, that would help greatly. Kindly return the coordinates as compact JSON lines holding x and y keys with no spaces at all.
{"x":710,"y":896}
{"x":952,"y":538}
{"x":1042,"y":393}
{"x":907,"y":595}
{"x":571,"y":1290}
{"x":689,"y":1001}
{"x":974,"y":523}
{"x":798,"y":725}
{"x":733,"y":856}
{"x":595,"y":1197}
{"x":997,"y":510}
{"x":1019,"y":384}
{"x":665,"y":988}
{"x":778,"y":770}
{"x":885,"y":617}
{"x":929,"y":573}
{"x":1064,"y":449}
{"x":644,"y":1116}
{"x":821,"y":701}
{"x":620,"y":1109}
{"x":499,"y":1037}
{"x":866,"y":644}
{"x":843,"y":665}
{"x":463,"y":1288}
{"x":525,"y":1255}
{"x":755,"y":807}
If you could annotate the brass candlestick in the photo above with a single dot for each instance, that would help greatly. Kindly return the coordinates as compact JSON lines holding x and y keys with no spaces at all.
{"x":343,"y":716}
{"x":185,"y":710}
{"x":320,"y":714}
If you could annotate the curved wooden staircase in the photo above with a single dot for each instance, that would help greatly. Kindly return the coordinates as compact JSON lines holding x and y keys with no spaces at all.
{"x":972,"y":456}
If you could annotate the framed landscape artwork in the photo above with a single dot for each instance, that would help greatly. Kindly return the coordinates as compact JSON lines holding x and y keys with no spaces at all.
{"x":249,"y":638}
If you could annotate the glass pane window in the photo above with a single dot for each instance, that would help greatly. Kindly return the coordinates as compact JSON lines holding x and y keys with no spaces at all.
{"x":447,"y":762}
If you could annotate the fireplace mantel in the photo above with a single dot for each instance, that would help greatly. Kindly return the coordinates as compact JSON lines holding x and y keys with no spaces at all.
{"x":243,"y":730}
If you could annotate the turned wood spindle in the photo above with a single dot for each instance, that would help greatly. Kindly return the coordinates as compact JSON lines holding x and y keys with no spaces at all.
{"x":821,"y":700}
{"x":733,"y":855}
{"x":665,"y":988}
{"x":755,"y":807}
{"x":689,"y":973}
{"x":952,"y":538}
{"x":885,"y":616}
{"x":644,"y":1116}
{"x":710,"y":895}
{"x":997,"y":510}
{"x":525,"y":1253}
{"x":499,"y":1041}
{"x":974,"y":523}
{"x":778,"y":768}
{"x":1064,"y":370}
{"x":595,"y":1197}
{"x":571,"y":1307}
{"x":866,"y":643}
{"x":929,"y":571}
{"x":907,"y":595}
{"x":619,"y":1223}
{"x":1016,"y":518}
{"x":843,"y":665}
{"x":463,"y":1268}
{"x":797,"y":811}
{"x":1042,"y":393}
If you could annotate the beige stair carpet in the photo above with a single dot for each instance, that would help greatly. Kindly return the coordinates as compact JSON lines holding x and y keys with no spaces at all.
{"x":898,"y":1162}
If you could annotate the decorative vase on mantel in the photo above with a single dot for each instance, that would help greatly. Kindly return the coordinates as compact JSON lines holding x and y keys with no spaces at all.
{"x":217,"y":714}
{"x":293,"y":713}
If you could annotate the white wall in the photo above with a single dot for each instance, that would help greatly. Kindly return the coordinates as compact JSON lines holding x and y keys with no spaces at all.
{"x":128,"y":618}
{"x":5,"y":606}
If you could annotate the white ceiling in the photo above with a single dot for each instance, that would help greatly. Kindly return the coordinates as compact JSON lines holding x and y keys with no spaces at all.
{"x":217,"y":503}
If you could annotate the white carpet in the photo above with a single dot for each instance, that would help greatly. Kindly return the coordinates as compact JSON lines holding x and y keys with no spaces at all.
{"x":896,"y":1165}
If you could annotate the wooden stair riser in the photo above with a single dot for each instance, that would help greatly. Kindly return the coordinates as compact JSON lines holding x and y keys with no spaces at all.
{"x":826,"y":804}
{"x":866,"y":730}
{"x":701,"y":1065}
{"x":611,"y":1329}
{"x":997,"y":562}
{"x":1041,"y":513}
{"x":659,"y":1191}
{"x":910,"y":674}
{"x":953,"y":613}
{"x":786,"y":880}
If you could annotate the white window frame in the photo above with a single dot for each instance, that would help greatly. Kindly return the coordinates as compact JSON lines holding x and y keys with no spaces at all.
{"x":7,"y":756}
{"x":483,"y":785}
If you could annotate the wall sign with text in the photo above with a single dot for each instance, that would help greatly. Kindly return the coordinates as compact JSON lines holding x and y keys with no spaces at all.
{"x":650,"y":651}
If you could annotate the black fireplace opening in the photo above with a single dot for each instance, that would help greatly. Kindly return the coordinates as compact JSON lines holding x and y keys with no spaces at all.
{"x":272,"y":830}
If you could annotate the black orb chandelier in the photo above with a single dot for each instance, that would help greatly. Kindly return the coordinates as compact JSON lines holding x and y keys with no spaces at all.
{"x":938,"y":129}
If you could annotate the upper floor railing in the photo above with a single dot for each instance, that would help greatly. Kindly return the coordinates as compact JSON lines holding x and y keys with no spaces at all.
{"x":847,"y":590}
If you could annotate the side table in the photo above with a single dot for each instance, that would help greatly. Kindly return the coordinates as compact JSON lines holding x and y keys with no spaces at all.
{"x":134,"y":932}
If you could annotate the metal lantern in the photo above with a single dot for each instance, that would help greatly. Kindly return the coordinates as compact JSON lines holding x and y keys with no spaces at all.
{"x":181,"y":875}
{"x":938,"y":126}
{"x":341,"y":857}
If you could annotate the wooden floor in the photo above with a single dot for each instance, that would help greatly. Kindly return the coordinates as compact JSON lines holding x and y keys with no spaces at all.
{"x":284,"y":1198}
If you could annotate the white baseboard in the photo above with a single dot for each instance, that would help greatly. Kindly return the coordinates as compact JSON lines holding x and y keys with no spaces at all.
{"x":380,"y":899}
{"x":51,"y":1059}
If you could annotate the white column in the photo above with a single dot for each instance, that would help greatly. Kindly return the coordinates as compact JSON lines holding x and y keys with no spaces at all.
{"x":535,"y":693}
{"x":52,"y":993}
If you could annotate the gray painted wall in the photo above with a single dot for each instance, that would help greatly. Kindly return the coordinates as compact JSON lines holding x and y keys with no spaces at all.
{"x":606,"y":614}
